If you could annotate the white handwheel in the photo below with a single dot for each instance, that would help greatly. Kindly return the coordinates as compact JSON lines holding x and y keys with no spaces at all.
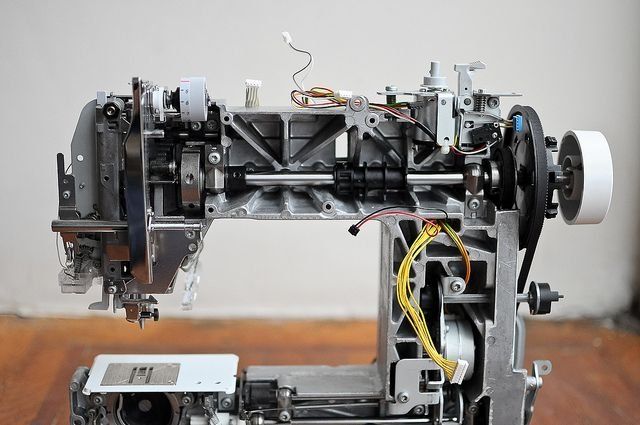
{"x":586,"y":159}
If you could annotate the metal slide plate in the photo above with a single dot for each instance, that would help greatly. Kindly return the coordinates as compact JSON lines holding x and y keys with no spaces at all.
{"x":113,"y":373}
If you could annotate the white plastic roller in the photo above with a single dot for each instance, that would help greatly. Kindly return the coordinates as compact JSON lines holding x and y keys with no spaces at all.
{"x":586,"y":158}
{"x":193,"y":99}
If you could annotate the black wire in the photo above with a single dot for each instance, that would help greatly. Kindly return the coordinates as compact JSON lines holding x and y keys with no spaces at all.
{"x":408,"y":207}
{"x":293,"y":77}
{"x":426,"y":130}
{"x":420,"y":125}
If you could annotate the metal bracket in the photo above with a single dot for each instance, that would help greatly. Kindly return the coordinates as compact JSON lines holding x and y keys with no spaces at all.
{"x":408,"y":394}
{"x":539,"y":368}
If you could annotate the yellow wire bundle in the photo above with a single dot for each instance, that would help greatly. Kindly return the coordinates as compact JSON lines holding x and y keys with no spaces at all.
{"x":410,"y":305}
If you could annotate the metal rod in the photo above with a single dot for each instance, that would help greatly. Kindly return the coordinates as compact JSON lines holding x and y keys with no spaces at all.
{"x":372,"y":421}
{"x":289,"y":179}
{"x":102,"y":226}
{"x":426,"y":179}
{"x":477,"y":298}
{"x":88,"y":226}
{"x":175,"y":226}
{"x":325,"y":179}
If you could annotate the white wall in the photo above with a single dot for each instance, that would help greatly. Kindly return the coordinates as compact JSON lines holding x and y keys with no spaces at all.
{"x":576,"y":62}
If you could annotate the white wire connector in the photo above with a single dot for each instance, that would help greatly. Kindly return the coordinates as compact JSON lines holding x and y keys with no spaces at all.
{"x":461,"y":370}
{"x":286,"y":37}
{"x":343,"y":94}
{"x":251,"y":96}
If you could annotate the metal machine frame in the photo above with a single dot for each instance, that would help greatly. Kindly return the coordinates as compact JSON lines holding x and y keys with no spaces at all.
{"x":151,"y":171}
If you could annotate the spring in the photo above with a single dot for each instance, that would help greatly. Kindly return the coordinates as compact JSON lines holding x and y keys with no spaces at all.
{"x":479,"y":103}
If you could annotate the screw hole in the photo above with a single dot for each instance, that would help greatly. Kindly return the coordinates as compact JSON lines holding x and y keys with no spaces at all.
{"x":106,"y":178}
{"x":210,"y":209}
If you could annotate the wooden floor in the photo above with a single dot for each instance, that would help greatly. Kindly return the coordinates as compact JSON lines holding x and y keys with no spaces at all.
{"x":595,"y":379}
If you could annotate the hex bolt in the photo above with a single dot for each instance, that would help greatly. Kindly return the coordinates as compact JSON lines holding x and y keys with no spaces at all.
{"x":474,"y":203}
{"x":403,"y":397}
{"x":226,"y":403}
{"x":66,"y":194}
{"x":196,"y":126}
{"x":284,"y":416}
{"x":193,"y":247}
{"x":214,"y":158}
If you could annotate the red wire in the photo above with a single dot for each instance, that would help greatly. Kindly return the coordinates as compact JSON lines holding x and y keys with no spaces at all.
{"x":395,"y":212}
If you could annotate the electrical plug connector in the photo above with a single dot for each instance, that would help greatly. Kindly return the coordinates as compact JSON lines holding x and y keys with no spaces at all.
{"x":354,"y":230}
{"x":461,"y":370}
{"x":343,"y":94}
{"x":517,"y":123}
{"x":286,"y":37}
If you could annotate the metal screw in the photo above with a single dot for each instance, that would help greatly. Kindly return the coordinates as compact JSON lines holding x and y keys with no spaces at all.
{"x":190,"y":234}
{"x":456,"y":286}
{"x":474,"y":203}
{"x":443,"y":102}
{"x":494,"y":135}
{"x":66,"y":194}
{"x":467,"y":101}
{"x":211,"y":125}
{"x":473,"y":409}
{"x":111,"y":110}
{"x":284,"y":416}
{"x":226,"y":403}
{"x":98,"y":399}
{"x":193,"y":247}
{"x":112,"y":289}
{"x":403,"y":397}
{"x":196,"y":126}
{"x":357,"y":103}
{"x":186,"y":400}
{"x":493,"y":102}
{"x":391,"y":88}
{"x":214,"y":158}
{"x":418,"y":410}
